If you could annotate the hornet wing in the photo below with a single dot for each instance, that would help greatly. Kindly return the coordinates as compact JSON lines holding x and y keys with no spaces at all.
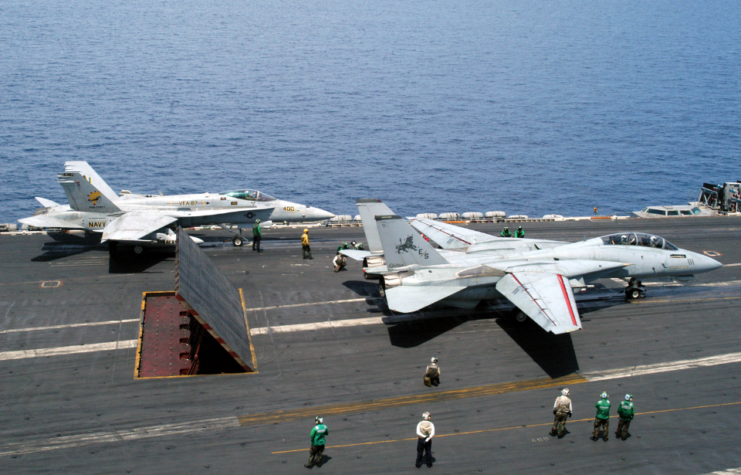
{"x":47,"y":222}
{"x":546,"y":298}
{"x":135,"y":225}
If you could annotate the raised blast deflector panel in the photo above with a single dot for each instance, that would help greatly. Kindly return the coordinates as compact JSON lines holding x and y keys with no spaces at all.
{"x":214,"y":301}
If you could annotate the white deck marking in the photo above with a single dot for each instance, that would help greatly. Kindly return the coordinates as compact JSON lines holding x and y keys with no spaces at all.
{"x":662,"y":367}
{"x":124,"y":435}
{"x":730,"y":471}
{"x":260,"y":309}
{"x":303,"y":327}
{"x":730,"y":265}
{"x":71,"y":325}
{"x":68,"y":350}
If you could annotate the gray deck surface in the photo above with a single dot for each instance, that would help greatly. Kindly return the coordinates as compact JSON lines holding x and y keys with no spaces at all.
{"x":85,"y":413}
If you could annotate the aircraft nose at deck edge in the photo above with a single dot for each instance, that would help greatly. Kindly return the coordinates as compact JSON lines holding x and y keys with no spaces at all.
{"x":320,"y":213}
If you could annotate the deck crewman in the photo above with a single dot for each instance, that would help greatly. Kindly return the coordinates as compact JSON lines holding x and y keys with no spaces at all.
{"x":561,"y":410}
{"x":505,"y":232}
{"x":306,"y":249}
{"x":339,"y":262}
{"x":358,"y":246}
{"x":432,"y":373}
{"x":626,"y":413}
{"x":425,"y":433}
{"x":256,"y":236}
{"x":520,"y":233}
{"x":602,"y":419}
{"x":318,"y":436}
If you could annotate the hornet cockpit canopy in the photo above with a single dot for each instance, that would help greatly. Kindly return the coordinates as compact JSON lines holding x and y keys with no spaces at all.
{"x":638,"y":239}
{"x":249,"y":195}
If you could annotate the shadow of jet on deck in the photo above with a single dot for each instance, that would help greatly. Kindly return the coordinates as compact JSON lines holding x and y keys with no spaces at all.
{"x":553,"y":353}
{"x":417,"y":332}
{"x":65,"y":245}
{"x":124,"y":262}
{"x":363,"y":288}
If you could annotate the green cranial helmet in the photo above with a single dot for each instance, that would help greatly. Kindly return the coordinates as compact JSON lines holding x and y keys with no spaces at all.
{"x":257,"y":221}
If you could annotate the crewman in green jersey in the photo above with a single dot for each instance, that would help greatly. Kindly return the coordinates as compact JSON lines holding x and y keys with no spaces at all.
{"x":520,"y":233}
{"x":602,"y":419}
{"x":256,"y":236}
{"x":626,"y":413}
{"x":505,"y":232}
{"x":317,"y":437}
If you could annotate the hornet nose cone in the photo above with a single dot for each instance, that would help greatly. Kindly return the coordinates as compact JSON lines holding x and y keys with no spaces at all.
{"x":318,"y":214}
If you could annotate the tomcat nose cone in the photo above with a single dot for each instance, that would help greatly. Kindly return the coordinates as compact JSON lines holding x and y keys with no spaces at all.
{"x":714,"y":264}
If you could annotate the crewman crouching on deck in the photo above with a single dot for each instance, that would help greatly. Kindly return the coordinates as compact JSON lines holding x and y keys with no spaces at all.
{"x":339,"y":262}
{"x":432,"y":373}
{"x":505,"y":232}
{"x":318,"y":435}
{"x":626,"y":413}
{"x":305,"y":244}
{"x":562,"y":410}
{"x":425,"y":432}
{"x":520,"y":233}
{"x":602,"y":419}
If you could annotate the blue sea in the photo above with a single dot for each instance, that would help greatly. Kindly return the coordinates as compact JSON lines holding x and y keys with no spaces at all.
{"x":529,"y":107}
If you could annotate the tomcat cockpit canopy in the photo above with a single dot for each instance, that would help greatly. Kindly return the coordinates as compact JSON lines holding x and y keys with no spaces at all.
{"x":638,"y":239}
{"x":249,"y":195}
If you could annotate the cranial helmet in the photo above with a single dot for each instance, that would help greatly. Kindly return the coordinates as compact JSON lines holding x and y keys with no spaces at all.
{"x":318,"y":419}
{"x":519,"y":227}
{"x":604,"y":395}
{"x":426,"y":416}
{"x":433,"y":360}
{"x":306,"y":230}
{"x":565,"y":391}
{"x":506,"y":227}
{"x":352,"y":242}
{"x":257,"y":221}
{"x":628,"y":397}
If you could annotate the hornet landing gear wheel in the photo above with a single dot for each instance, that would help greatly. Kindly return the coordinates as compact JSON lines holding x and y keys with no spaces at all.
{"x":238,"y":241}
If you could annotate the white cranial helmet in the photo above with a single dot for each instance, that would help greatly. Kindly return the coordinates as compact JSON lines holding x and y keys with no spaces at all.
{"x":426,"y":416}
{"x":565,"y":391}
{"x":433,"y":360}
{"x":604,"y":395}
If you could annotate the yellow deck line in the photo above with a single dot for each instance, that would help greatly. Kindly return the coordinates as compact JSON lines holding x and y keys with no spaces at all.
{"x":482,"y":431}
{"x":388,"y":403}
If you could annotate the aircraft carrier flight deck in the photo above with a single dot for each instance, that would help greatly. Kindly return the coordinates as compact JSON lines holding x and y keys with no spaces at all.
{"x":325,"y":344}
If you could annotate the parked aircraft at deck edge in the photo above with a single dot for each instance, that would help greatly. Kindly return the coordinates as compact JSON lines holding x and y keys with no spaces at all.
{"x":149,"y":219}
{"x":537,"y":276}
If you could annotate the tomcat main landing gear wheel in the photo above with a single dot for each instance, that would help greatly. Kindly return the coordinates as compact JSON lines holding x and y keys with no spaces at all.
{"x":238,"y":241}
{"x":635,"y":290}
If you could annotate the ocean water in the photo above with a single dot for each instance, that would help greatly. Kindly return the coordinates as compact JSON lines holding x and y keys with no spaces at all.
{"x":530,"y":107}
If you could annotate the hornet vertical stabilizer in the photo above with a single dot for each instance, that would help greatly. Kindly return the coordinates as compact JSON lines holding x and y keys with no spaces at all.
{"x":403,"y":246}
{"x":85,"y":190}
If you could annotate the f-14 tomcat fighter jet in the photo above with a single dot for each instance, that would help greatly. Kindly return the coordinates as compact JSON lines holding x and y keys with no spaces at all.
{"x":142,"y":220}
{"x":537,"y":276}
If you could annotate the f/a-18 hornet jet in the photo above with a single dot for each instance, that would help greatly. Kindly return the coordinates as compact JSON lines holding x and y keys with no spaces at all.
{"x":537,"y":276}
{"x":147,"y":220}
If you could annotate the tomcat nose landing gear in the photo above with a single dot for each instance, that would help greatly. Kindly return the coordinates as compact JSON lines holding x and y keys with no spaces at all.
{"x":635,"y":290}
